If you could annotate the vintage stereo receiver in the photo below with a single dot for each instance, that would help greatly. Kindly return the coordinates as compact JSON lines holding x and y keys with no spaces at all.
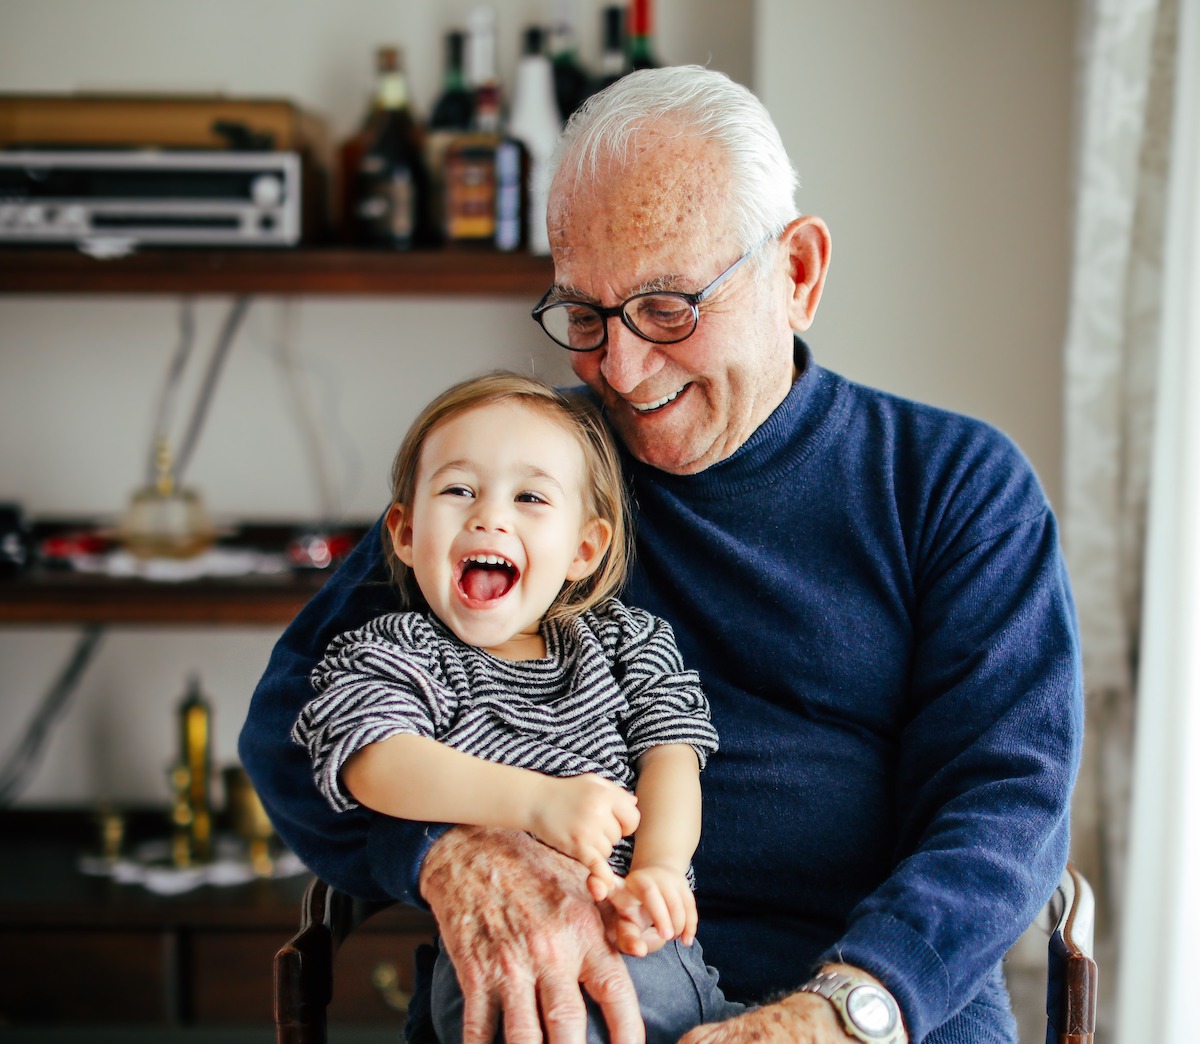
{"x":158,"y":197}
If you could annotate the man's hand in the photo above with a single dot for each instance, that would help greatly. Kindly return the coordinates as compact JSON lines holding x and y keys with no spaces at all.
{"x":584,"y":817}
{"x":800,"y":1018}
{"x":524,"y":935}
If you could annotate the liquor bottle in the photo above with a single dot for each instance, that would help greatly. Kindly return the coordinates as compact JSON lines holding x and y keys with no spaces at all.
{"x":535,"y":122}
{"x":453,"y":114}
{"x":571,"y":82}
{"x":455,"y":106}
{"x":392,"y":185}
{"x":641,"y":36}
{"x":350,"y":157}
{"x":486,"y":170}
{"x":612,"y":56}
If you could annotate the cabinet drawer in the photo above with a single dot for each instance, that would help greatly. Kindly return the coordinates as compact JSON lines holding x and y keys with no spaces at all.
{"x":70,"y":976}
{"x":373,"y":977}
{"x":231,"y":977}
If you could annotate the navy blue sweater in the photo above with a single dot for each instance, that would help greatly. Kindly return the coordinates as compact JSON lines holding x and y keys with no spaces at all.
{"x":873,"y":593}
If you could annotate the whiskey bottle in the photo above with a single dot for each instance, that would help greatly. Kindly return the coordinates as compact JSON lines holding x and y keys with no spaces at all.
{"x":392,"y":184}
{"x":485,"y":170}
{"x":453,"y":114}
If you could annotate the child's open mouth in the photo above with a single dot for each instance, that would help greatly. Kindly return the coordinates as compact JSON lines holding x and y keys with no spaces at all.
{"x":484,"y":578}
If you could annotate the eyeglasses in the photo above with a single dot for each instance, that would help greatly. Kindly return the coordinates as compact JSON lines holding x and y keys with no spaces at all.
{"x":661,"y":317}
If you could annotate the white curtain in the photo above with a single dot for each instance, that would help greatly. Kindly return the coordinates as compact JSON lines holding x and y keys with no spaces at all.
{"x":1161,"y":908}
{"x":1127,"y":94}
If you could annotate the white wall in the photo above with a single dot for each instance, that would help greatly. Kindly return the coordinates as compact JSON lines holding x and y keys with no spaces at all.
{"x":79,"y":376}
{"x":933,"y":136}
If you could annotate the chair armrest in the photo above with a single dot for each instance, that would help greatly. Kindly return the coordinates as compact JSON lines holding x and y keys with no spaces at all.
{"x":1071,"y":988}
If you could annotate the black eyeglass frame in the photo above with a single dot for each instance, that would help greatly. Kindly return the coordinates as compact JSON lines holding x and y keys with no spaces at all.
{"x":694,"y":301}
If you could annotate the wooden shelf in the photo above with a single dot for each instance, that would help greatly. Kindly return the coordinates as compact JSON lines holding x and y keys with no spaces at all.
{"x":49,"y":594}
{"x":70,"y":599}
{"x":316,"y":270}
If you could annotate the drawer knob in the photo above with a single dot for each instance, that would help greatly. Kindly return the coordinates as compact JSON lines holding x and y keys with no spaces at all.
{"x":385,"y":977}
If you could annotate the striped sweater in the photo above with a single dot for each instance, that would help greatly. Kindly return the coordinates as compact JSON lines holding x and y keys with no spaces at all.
{"x":611,"y":686}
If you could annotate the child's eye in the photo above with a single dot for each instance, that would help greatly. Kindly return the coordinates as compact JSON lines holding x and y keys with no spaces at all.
{"x":458,"y":491}
{"x":529,"y":497}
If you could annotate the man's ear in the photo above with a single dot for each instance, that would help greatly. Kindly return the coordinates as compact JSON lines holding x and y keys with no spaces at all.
{"x":400,"y":529}
{"x":808,"y":244}
{"x":593,"y":542}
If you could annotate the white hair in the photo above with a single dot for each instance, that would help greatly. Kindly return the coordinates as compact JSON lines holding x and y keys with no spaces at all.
{"x":699,"y":102}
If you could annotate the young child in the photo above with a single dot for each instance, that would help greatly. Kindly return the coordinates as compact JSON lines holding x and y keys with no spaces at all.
{"x":517,"y":692}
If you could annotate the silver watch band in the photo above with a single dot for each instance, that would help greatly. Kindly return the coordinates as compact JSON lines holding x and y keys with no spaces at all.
{"x":866,"y":1010}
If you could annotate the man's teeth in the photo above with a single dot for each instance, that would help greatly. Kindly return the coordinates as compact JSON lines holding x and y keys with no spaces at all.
{"x":646,"y":407}
{"x":490,"y":560}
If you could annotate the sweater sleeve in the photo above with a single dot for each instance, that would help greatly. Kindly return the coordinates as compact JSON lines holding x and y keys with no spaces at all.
{"x":987,"y":761}
{"x":359,"y":852}
{"x":375,"y":682}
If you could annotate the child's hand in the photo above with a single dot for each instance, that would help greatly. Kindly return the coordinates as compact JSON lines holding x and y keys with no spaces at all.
{"x":654,"y":905}
{"x":584,"y":817}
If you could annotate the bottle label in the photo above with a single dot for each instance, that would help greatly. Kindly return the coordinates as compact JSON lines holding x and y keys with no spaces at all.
{"x":387,"y":209}
{"x":471,"y":191}
{"x":402,"y":201}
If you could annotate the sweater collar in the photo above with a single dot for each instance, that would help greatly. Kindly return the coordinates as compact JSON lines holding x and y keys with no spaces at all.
{"x":775,"y":447}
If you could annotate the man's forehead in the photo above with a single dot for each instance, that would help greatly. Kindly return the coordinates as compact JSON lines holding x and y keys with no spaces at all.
{"x":645,"y":224}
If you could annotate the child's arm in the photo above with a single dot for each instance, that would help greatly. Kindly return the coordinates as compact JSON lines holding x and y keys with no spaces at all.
{"x":414,"y":777}
{"x":668,"y":792}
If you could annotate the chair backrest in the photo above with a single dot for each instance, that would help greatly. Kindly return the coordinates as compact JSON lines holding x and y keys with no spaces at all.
{"x":304,"y":964}
{"x":1071,"y":983}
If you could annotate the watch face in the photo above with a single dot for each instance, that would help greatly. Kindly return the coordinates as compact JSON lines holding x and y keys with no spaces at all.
{"x":870,"y":1011}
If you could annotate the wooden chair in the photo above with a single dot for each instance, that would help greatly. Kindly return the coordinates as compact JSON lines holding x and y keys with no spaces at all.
{"x":1071,"y":982}
{"x":304,"y":964}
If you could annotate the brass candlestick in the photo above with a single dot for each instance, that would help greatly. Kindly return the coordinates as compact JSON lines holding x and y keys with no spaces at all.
{"x":195,"y":761}
{"x":248,"y":819}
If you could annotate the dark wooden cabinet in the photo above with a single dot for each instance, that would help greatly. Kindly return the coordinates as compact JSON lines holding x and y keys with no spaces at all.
{"x":79,"y":950}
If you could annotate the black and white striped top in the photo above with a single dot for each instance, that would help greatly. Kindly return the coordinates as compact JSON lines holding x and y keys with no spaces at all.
{"x":612,"y":685}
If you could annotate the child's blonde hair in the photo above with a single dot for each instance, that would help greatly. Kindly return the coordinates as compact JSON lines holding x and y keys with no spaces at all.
{"x":603,"y":486}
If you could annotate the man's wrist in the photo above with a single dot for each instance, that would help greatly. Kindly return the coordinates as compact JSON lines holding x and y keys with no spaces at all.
{"x":863,"y":1006}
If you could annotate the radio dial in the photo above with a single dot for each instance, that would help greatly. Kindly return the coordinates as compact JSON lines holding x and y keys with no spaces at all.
{"x":267,"y":190}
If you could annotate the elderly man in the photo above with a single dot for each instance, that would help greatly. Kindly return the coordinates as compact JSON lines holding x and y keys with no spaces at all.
{"x":871,"y":589}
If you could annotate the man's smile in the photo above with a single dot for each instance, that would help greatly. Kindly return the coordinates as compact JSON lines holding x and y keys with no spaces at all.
{"x":657,"y":404}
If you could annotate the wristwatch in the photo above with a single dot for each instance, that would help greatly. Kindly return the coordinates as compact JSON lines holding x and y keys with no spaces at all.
{"x":868,"y":1012}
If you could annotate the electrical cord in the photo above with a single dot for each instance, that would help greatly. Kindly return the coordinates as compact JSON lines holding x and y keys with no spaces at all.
{"x":316,"y":449}
{"x":18,"y":770}
{"x":200,"y":411}
{"x":170,"y":391}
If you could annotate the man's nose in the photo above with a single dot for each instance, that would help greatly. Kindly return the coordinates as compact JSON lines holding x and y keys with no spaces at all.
{"x":628,"y":359}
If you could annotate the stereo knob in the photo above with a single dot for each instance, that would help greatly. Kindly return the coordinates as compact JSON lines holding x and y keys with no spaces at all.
{"x":266,"y":190}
